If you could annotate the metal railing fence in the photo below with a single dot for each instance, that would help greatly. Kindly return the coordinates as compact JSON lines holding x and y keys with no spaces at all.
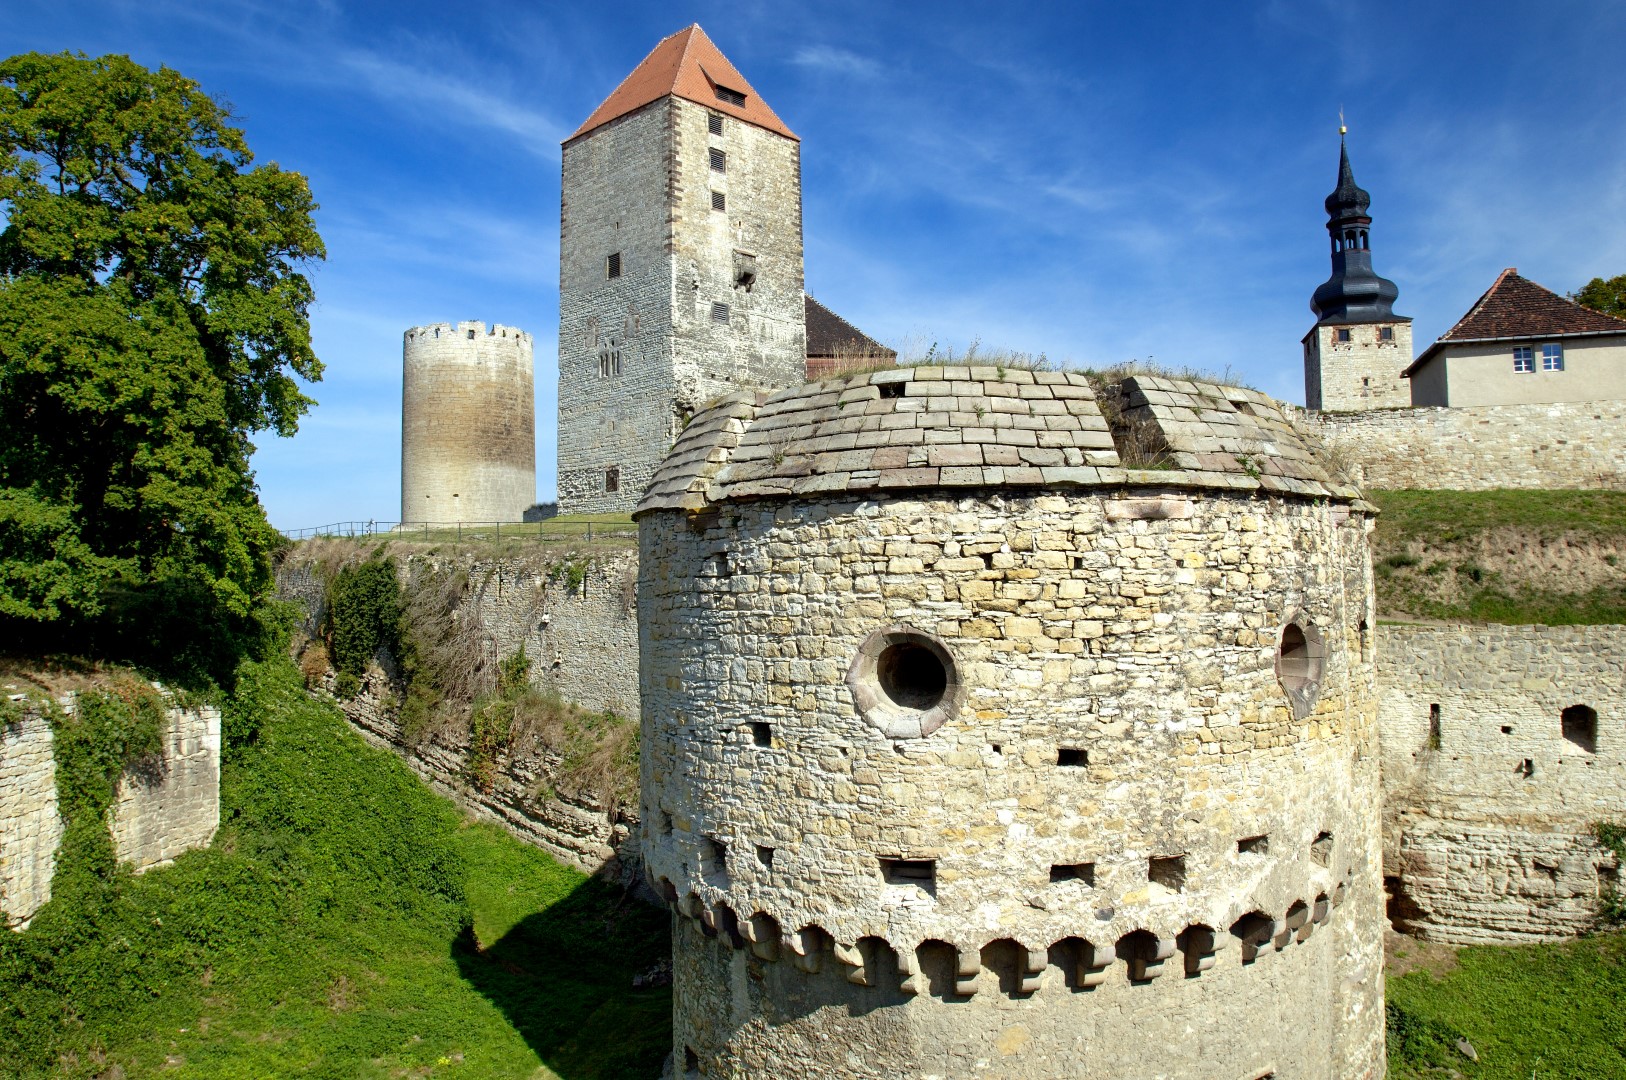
{"x":549,"y":530}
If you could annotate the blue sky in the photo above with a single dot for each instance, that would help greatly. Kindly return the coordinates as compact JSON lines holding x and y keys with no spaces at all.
{"x":1095,"y":181}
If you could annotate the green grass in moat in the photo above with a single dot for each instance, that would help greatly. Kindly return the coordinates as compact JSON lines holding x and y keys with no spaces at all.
{"x":346,"y":922}
{"x":1548,"y":1012}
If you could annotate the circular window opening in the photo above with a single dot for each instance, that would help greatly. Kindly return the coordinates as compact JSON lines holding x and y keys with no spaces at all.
{"x":904,"y":682}
{"x":1300,"y":659}
{"x":911,"y":675}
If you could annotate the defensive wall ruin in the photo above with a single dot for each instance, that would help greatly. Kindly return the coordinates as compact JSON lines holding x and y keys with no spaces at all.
{"x":1501,"y":746}
{"x":161,"y":808}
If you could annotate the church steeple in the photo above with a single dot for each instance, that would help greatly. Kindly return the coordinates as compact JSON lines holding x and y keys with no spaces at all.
{"x":1354,"y":293}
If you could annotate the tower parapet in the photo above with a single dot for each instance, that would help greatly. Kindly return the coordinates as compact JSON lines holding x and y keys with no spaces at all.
{"x":964,"y":741}
{"x":468,"y":423}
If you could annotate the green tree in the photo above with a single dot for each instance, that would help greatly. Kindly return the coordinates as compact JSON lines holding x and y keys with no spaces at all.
{"x":153,"y":315}
{"x":1608,"y":297}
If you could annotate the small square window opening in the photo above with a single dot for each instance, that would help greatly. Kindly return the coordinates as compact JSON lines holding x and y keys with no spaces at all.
{"x":719,"y":313}
{"x":612,"y":479}
{"x":1386,"y":333}
{"x":1523,"y":359}
{"x":1343,"y":336}
{"x":719,"y":201}
{"x":915,"y":873}
{"x":714,"y":124}
{"x":1084,"y":871}
{"x":1552,"y":357}
{"x":719,"y":160}
{"x":1072,"y":757}
{"x":765,"y":857}
{"x":612,"y":266}
{"x":1253,"y":845}
{"x":761,"y":733}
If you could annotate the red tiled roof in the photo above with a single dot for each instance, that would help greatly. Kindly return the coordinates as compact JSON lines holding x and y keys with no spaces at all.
{"x":1516,"y":307}
{"x":689,"y":66}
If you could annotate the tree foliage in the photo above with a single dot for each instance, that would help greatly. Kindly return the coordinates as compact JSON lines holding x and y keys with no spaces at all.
{"x":153,"y":315}
{"x":1608,"y":296}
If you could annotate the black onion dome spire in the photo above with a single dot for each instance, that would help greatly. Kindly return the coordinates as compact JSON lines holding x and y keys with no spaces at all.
{"x":1349,"y":199}
{"x":1354,"y":293}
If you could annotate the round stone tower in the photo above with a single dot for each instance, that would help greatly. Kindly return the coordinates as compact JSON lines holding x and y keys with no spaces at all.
{"x":971,"y":748}
{"x":468,"y":423}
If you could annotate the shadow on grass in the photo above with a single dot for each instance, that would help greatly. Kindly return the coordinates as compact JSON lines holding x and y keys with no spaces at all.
{"x":563,"y":977}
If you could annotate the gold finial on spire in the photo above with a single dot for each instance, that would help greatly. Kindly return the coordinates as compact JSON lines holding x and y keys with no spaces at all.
{"x":1342,"y":130}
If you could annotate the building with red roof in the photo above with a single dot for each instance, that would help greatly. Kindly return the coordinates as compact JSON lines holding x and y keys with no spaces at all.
{"x":1521,"y":343}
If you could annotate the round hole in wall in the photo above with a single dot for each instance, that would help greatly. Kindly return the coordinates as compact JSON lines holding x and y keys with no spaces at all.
{"x":911,"y":675}
{"x":904,"y":682}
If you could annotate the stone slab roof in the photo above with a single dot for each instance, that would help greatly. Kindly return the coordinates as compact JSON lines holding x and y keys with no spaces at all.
{"x":689,"y":66}
{"x":1516,"y":308}
{"x":1222,"y":431}
{"x":957,"y":428}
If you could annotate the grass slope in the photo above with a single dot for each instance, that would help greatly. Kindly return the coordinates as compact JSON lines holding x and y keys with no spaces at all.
{"x":1548,"y":1012}
{"x":346,"y":923}
{"x":1550,"y":557}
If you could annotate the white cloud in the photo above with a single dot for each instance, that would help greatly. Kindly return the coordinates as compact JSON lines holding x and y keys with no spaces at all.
{"x":836,"y":61}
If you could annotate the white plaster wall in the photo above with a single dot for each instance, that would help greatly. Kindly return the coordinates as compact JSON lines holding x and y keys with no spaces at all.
{"x":1482,"y":374}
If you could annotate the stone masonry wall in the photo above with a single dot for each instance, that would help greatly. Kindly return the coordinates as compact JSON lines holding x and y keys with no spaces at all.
{"x":616,"y":384}
{"x":1362,"y":373}
{"x":1567,"y":445}
{"x":468,"y":423}
{"x":173,"y":805}
{"x":30,"y":828}
{"x":1488,"y":804}
{"x":161,"y":808}
{"x":1139,"y":846}
{"x":591,"y":835}
{"x":708,"y":300}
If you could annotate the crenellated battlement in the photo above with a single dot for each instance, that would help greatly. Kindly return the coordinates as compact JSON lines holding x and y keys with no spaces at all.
{"x":468,"y":330}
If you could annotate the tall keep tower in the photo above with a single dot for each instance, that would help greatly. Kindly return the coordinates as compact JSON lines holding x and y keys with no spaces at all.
{"x":1354,"y":354}
{"x":468,"y":423}
{"x":680,"y":265}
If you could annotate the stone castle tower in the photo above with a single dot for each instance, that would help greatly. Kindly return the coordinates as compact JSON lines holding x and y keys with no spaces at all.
{"x":680,"y":274}
{"x":970,"y":752}
{"x":1354,"y":354}
{"x":468,"y":423}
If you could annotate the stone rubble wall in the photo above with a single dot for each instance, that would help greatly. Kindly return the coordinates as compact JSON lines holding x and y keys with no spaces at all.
{"x":1564,"y":445}
{"x":161,"y":808}
{"x":1139,"y":635}
{"x":1487,"y":824}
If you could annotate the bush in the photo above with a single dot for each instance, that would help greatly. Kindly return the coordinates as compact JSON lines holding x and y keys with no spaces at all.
{"x":364,"y":614}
